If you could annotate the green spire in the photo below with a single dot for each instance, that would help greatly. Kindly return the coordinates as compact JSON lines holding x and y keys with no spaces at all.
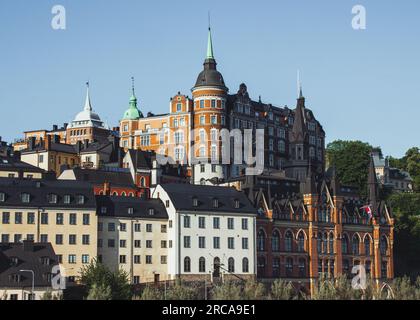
{"x":210,"y":54}
{"x":132,"y":112}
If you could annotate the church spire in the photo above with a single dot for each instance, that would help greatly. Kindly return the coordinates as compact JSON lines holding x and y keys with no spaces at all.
{"x":210,"y":54}
{"x":88,"y":106}
{"x":372,"y":185}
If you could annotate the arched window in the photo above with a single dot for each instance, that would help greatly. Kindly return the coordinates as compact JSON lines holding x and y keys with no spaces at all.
{"x":187,"y":264}
{"x":331,"y":243}
{"x":275,"y":241}
{"x":319,"y":242}
{"x":289,"y":267}
{"x":261,"y":266}
{"x":383,"y":244}
{"x":123,"y":194}
{"x":231,"y":265}
{"x":367,"y":246}
{"x":302,"y":268}
{"x":261,"y":240}
{"x":245,"y":265}
{"x":346,"y":266}
{"x":301,"y":242}
{"x":115,"y":193}
{"x":276,"y":267}
{"x":355,"y":245}
{"x":345,"y":244}
{"x":288,"y":239}
{"x":202,"y":264}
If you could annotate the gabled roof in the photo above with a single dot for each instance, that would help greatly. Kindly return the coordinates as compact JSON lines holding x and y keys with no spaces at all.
{"x":183,"y":196}
{"x":115,"y":178}
{"x":141,"y":159}
{"x":12,"y":163}
{"x":119,"y":207}
{"x":29,"y":258}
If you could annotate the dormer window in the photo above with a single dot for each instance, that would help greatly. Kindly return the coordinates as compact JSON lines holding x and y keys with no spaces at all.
{"x":15,"y":278}
{"x":45,"y":261}
{"x":151,"y":212}
{"x":215,"y":203}
{"x":80,"y":199}
{"x":103,"y":210}
{"x":2,"y":197}
{"x":130,"y":210}
{"x":52,"y":198}
{"x":67,"y":199}
{"x":237,"y":204}
{"x":195,"y":202}
{"x":14,"y":261}
{"x":25,"y":197}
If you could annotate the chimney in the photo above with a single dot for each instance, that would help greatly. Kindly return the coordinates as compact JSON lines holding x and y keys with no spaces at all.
{"x":55,"y":127}
{"x":107,"y":189}
{"x":28,"y":245}
{"x":47,"y":143}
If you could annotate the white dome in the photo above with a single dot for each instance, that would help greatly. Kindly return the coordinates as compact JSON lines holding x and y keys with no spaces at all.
{"x":87,"y":115}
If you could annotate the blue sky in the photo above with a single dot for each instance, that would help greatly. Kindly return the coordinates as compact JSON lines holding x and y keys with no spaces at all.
{"x":360,"y":84}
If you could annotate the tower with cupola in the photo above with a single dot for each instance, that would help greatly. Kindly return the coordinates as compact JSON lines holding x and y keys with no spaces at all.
{"x":209,"y":118}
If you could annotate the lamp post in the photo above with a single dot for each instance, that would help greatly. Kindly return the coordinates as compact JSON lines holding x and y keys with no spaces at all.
{"x":33,"y":281}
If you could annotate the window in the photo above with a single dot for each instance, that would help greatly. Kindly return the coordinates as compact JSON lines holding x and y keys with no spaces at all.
{"x":187,"y":222}
{"x":163,"y":259}
{"x":123,"y":259}
{"x":111,"y":226}
{"x":72,"y":219}
{"x":86,"y":219}
{"x":202,"y":120}
{"x":367,"y":246}
{"x":331,"y":244}
{"x":137,"y":227}
{"x":355,"y":245}
{"x":85,"y":259}
{"x":202,"y":242}
{"x":231,"y":243}
{"x":44,"y":218}
{"x":282,"y":146}
{"x":163,"y":244}
{"x":2,"y":197}
{"x":216,"y":223}
{"x":231,"y":265}
{"x":178,"y":107}
{"x":163,"y":228}
{"x":72,"y":258}
{"x":245,"y":243}
{"x":201,"y":104}
{"x":201,"y":222}
{"x":275,"y":241}
{"x":59,"y":219}
{"x":80,"y":199}
{"x":111,"y":243}
{"x":25,"y":197}
{"x":137,"y":244}
{"x":149,"y":244}
{"x":187,"y":242}
{"x":213,"y":119}
{"x":302,"y":268}
{"x":5,"y":238}
{"x":59,"y":239}
{"x":289,"y":267}
{"x":44,"y":238}
{"x":31,"y":218}
{"x":383,"y":246}
{"x":261,"y":241}
{"x":18,"y":238}
{"x":230,"y":223}
{"x":136,"y":259}
{"x":245,"y":265}
{"x":213,"y":103}
{"x":52,"y":198}
{"x":187,"y":264}
{"x":345,"y":244}
{"x":72,"y":239}
{"x":123,"y":227}
{"x":85,"y":239}
{"x":216,"y":242}
{"x":148,"y":259}
{"x":244,"y":224}
{"x":6,"y":218}
{"x":18,"y":218}
{"x":202,"y":265}
{"x":288,"y":239}
{"x":301,"y":242}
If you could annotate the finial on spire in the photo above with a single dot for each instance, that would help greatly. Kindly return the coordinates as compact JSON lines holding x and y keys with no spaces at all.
{"x":88,"y":106}
{"x":210,"y":54}
{"x":132,"y":85}
{"x":299,"y":85}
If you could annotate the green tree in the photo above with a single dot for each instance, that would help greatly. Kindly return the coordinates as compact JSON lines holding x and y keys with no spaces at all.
{"x":410,"y":163}
{"x":181,"y":291}
{"x":253,"y":290}
{"x":151,"y":293}
{"x":99,"y":292}
{"x":351,"y":160}
{"x":97,"y":274}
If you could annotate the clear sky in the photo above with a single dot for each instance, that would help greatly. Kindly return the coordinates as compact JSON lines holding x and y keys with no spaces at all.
{"x":361,"y":84}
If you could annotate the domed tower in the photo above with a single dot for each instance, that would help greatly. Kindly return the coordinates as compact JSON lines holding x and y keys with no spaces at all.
{"x":129,"y":122}
{"x":209,"y":99}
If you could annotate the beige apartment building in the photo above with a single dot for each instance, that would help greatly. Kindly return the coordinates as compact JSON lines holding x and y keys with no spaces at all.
{"x":132,"y":236}
{"x":62,"y":213}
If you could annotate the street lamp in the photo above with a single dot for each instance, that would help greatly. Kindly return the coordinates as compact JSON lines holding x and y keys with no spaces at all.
{"x":33,"y":281}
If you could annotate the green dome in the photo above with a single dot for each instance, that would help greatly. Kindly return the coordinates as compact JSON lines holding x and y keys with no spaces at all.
{"x":132,"y":112}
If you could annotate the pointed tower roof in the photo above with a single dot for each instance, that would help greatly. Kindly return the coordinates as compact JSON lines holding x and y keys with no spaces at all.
{"x":310,"y":184}
{"x":210,"y":77}
{"x":132,"y":113}
{"x":88,"y":106}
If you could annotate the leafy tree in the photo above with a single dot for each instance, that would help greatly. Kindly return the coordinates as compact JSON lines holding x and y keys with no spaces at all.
{"x":229,"y":290}
{"x":351,"y":160}
{"x":406,"y":210}
{"x":99,"y":275}
{"x":151,"y":293}
{"x":181,"y":291}
{"x":100,"y":292}
{"x":410,"y":163}
{"x":282,"y":290}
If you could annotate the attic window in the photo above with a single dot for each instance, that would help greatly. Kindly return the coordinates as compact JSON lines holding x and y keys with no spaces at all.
{"x":237,"y":204}
{"x":2,"y":197}
{"x":130,"y":210}
{"x":103,"y":210}
{"x":25,"y":197}
{"x":215,"y":203}
{"x":52,"y":198}
{"x":151,"y":212}
{"x":67,"y":199}
{"x":80,"y":199}
{"x":195,"y":202}
{"x":16,"y":278}
{"x":45,"y":261}
{"x":14,"y":261}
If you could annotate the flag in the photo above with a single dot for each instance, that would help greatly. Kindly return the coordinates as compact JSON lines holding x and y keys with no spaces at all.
{"x":368,"y":210}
